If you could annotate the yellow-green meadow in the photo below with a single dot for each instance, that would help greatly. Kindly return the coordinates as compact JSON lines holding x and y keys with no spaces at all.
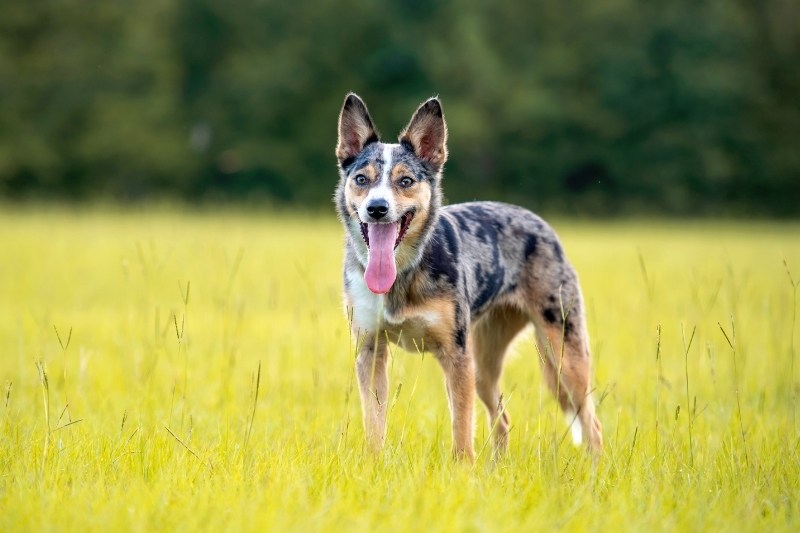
{"x":176,"y":370}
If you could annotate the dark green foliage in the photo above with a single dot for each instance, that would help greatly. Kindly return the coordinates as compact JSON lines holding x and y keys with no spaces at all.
{"x":588,"y":107}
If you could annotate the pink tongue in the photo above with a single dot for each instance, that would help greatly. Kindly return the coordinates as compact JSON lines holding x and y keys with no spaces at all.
{"x":381,"y":270}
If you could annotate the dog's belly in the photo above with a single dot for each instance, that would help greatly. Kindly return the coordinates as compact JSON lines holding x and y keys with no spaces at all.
{"x":414,"y":334}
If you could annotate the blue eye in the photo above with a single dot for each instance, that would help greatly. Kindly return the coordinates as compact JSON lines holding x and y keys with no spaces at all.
{"x":360,"y":180}
{"x":406,"y":182}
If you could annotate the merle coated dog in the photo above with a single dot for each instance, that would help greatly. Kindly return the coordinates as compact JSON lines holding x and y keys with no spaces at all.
{"x":460,"y":281}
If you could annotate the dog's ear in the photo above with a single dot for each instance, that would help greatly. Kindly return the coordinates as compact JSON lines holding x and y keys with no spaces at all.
{"x":426,"y":134}
{"x":355,"y":129}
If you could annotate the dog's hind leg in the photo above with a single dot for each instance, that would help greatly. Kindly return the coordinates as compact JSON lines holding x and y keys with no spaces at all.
{"x":492,"y":335}
{"x":564,"y":355}
{"x":373,"y":384}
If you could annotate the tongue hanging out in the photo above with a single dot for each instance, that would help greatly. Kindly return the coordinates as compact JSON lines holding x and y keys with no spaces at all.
{"x":381,"y":269}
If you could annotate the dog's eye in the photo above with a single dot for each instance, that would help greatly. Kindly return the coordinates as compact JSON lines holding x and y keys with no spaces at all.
{"x":360,"y":180}
{"x":406,"y":182}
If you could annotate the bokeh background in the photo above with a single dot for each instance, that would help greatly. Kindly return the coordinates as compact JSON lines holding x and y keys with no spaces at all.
{"x":578,"y":107}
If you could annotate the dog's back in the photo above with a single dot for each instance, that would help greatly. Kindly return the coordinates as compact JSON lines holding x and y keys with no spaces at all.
{"x":499,"y":248}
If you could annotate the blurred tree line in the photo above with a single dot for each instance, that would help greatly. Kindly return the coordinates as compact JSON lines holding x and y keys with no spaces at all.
{"x":677,"y":106}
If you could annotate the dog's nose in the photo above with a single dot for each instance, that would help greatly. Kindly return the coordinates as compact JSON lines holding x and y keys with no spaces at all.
{"x":377,"y":209}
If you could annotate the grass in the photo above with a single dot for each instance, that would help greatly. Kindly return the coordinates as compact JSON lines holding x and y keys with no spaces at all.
{"x":172,"y":370}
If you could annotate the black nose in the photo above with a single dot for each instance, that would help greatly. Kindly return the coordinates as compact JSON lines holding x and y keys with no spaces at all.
{"x":377,"y":209}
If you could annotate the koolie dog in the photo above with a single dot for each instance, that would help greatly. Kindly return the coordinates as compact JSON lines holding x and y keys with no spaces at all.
{"x":460,"y":281}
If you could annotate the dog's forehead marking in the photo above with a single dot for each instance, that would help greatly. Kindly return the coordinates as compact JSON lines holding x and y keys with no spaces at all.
{"x":382,"y":189}
{"x":386,"y":155}
{"x":388,"y":159}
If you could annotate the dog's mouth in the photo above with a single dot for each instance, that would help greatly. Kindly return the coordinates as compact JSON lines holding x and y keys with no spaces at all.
{"x":381,"y":241}
{"x":404,"y":222}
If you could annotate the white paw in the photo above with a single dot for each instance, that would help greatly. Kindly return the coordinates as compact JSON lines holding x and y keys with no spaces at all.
{"x":575,"y":426}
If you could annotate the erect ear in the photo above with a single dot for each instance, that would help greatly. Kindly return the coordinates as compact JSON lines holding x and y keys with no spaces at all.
{"x":426,"y":134}
{"x":355,"y":129}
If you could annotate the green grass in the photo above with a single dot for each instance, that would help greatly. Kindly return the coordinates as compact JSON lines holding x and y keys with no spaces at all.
{"x":179,"y":320}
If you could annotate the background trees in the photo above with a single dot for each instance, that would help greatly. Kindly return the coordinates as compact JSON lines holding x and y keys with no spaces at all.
{"x":579,"y":106}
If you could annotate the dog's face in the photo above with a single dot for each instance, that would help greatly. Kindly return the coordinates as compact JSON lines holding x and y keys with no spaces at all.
{"x":387,"y":192}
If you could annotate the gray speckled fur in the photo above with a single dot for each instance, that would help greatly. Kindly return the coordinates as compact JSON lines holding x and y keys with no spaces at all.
{"x":474,"y":275}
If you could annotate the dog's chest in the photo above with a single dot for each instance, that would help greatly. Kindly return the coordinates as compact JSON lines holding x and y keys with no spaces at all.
{"x":411,"y":330}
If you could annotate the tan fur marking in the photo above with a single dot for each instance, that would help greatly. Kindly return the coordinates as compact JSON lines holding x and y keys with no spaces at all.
{"x":442,"y":330}
{"x":370,"y":171}
{"x":418,"y":198}
{"x":418,"y":195}
{"x":354,"y":194}
{"x":400,"y":170}
{"x":437,"y":315}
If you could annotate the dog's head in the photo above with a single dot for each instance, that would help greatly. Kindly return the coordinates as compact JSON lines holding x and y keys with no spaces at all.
{"x":388,"y":193}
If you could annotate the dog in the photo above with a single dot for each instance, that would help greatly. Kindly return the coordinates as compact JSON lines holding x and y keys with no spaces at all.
{"x":460,"y":281}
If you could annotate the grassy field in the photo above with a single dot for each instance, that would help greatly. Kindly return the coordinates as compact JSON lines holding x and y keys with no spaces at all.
{"x":199,"y":375}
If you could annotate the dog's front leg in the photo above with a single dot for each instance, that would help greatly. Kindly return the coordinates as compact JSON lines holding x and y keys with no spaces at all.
{"x":459,"y":375}
{"x":373,"y":383}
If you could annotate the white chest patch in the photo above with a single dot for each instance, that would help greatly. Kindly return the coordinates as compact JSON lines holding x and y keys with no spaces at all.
{"x":370,"y":313}
{"x":367,"y":306}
